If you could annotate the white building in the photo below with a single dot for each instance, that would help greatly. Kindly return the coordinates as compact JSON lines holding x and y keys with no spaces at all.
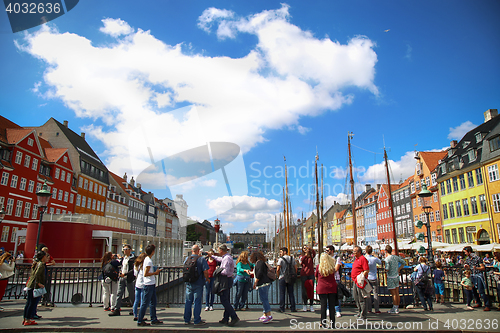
{"x":181,"y":207}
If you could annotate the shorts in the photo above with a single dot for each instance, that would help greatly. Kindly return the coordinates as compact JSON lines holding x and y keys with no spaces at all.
{"x":439,"y":288}
{"x":393,"y":283}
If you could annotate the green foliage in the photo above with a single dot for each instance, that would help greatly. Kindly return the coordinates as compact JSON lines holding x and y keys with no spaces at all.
{"x":191,"y":234}
{"x":239,"y":245}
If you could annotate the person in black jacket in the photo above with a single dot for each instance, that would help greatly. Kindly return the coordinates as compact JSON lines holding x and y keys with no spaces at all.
{"x":262,"y":283}
{"x":126,"y":280}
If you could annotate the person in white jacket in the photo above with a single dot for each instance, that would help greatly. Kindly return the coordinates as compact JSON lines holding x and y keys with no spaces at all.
{"x":7,"y":264}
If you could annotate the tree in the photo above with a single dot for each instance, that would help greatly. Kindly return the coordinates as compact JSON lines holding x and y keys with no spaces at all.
{"x":191,"y":234}
{"x":239,"y":245}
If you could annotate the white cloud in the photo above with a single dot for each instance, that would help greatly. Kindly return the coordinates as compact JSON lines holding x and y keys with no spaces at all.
{"x":409,"y":50}
{"x":303,"y":130}
{"x":116,"y":27}
{"x":340,"y":198}
{"x":243,"y":207}
{"x":399,"y":170}
{"x":126,"y":85}
{"x":225,"y":226}
{"x":456,"y":133}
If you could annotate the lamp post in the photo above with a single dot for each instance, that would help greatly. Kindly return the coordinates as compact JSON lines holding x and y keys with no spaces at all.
{"x":424,"y":194}
{"x":2,"y":214}
{"x":217,"y":228}
{"x":43,"y":201}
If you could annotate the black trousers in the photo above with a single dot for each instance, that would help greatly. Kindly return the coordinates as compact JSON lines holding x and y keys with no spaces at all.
{"x":328,"y":301}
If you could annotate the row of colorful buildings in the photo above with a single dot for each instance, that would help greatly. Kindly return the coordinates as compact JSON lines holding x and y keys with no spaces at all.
{"x":465,"y":204}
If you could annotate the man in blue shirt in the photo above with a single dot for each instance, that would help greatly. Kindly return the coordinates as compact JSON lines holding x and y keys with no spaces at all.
{"x":194,"y":290}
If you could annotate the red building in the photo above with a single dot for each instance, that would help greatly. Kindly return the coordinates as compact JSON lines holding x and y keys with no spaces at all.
{"x":385,"y":229}
{"x":26,"y":162}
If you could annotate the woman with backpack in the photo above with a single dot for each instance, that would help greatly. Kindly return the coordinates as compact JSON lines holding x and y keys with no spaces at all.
{"x":242,"y":281}
{"x":36,"y":281}
{"x":109,"y":281}
{"x":262,"y":283}
{"x":423,"y":284}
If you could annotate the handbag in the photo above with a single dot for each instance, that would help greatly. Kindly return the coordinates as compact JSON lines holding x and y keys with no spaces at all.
{"x":39,"y":292}
{"x":342,"y":290}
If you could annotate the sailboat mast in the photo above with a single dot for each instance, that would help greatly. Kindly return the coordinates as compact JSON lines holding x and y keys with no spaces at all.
{"x":319,"y":240}
{"x":287,"y":217}
{"x":322,"y":211}
{"x":391,"y":204}
{"x":350,"y":135}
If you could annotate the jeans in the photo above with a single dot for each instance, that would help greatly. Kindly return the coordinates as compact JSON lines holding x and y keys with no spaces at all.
{"x":30,"y":307}
{"x":241,"y":293}
{"x":194,"y":294}
{"x":303,"y":279}
{"x":226,"y":302}
{"x":264,"y":298}
{"x":479,"y":288}
{"x":148,"y":298}
{"x":360,"y":301}
{"x":469,"y":295}
{"x":122,"y":285}
{"x":289,"y":289}
{"x":209,"y":285}
{"x":337,"y":307}
{"x":425,"y":298}
{"x":137,"y":301}
{"x":327,"y":300}
{"x":375,"y":286}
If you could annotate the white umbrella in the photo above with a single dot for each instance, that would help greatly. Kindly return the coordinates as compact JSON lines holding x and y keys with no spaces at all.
{"x":487,"y":247}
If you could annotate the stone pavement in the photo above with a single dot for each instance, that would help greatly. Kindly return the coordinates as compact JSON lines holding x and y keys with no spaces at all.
{"x":82,"y":318}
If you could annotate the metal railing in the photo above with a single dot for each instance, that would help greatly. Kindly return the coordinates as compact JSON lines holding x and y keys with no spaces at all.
{"x":83,"y":285}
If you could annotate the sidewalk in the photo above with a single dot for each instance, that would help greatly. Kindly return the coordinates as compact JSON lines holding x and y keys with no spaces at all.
{"x":81,"y":318}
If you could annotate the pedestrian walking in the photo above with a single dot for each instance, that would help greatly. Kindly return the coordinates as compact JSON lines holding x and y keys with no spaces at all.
{"x":286,"y":264}
{"x":36,"y":281}
{"x":476,"y":265}
{"x":149,"y":291}
{"x":330,"y":249}
{"x":196,"y":273}
{"x":306,"y":261}
{"x":110,"y":268}
{"x":393,"y":266}
{"x":139,"y":283}
{"x":326,"y":288}
{"x":423,"y":284}
{"x":359,"y":274}
{"x":126,"y":280}
{"x":209,"y":285}
{"x":262,"y":283}
{"x":373,"y":280}
{"x":242,"y":281}
{"x":227,"y":267}
{"x":7,"y":265}
{"x":439,"y":274}
{"x":47,"y":298}
{"x":468,"y":286}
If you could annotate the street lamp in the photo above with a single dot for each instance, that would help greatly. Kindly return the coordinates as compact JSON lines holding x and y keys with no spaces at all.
{"x":2,"y":214}
{"x":424,"y":194}
{"x":217,"y":228}
{"x":43,"y":201}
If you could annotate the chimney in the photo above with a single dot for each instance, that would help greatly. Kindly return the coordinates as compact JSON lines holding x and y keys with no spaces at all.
{"x":65,"y":123}
{"x":490,"y":114}
{"x":453,"y":144}
{"x":368,"y":187}
{"x":378,"y":187}
{"x":83,"y":135}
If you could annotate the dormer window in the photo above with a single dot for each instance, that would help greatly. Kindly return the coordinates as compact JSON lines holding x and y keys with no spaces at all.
{"x":495,"y":143}
{"x":465,"y":144}
{"x":472,"y":155}
{"x":479,"y":137}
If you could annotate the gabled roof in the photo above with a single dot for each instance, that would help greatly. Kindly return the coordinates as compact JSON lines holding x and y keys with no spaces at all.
{"x":4,"y":125}
{"x":432,"y":158}
{"x":385,"y":187}
{"x":54,"y":154}
{"x":14,"y":135}
{"x":405,"y":183}
{"x":120,"y":181}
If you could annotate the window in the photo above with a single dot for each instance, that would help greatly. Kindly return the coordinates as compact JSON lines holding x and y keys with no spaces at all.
{"x":93,"y":204}
{"x":455,"y":184}
{"x":13,"y":235}
{"x":412,"y":187}
{"x":435,"y":197}
{"x":414,"y":203}
{"x":22,"y":184}
{"x":5,"y":178}
{"x":5,"y":234}
{"x":84,"y":201}
{"x":13,"y":181}
{"x":54,"y":193}
{"x":443,"y":189}
{"x":458,"y":208}
{"x":89,"y":203}
{"x":472,"y":155}
{"x":38,"y":187}
{"x":27,"y":161}
{"x":19,"y":157}
{"x":104,"y":191}
{"x":479,"y":137}
{"x":448,"y":185}
{"x":35,"y":211}
{"x":462,"y":181}
{"x":68,"y":178}
{"x":51,"y":211}
{"x":60,"y":196}
{"x":447,"y":236}
{"x":438,"y":215}
{"x":10,"y":206}
{"x":66,"y":194}
{"x":434,"y":179}
{"x":30,"y":142}
{"x":482,"y":203}
{"x":86,"y":184}
{"x":493,"y":172}
{"x":27,"y":207}
{"x":34,"y":164}
{"x":58,"y":211}
{"x":445,"y":212}
{"x":91,"y":185}
{"x":454,"y":236}
{"x":427,"y":181}
{"x":95,"y":188}
{"x":419,"y":202}
{"x":470,"y":178}
{"x":31,"y":186}
{"x":19,"y":208}
{"x":63,"y":175}
{"x":57,"y":173}
{"x":495,"y":143}
{"x":408,"y":207}
{"x":465,"y":204}
{"x":80,"y":182}
{"x":479,"y":176}
{"x":431,"y":217}
{"x":473,"y":205}
{"x":417,"y":185}
{"x":98,"y":205}
{"x":452,"y":210}
{"x":78,"y":198}
{"x":71,"y":197}
{"x":65,"y":159}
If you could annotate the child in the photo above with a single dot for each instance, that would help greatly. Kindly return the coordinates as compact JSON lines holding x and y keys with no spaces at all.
{"x":467,"y":284}
{"x":438,"y":282}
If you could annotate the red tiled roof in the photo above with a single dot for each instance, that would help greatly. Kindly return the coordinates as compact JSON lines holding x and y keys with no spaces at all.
{"x":4,"y":124}
{"x":406,"y":182}
{"x":14,"y":135}
{"x":432,"y":158}
{"x":54,"y":154}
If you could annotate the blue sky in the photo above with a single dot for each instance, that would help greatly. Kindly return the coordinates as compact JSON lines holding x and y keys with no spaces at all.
{"x":275,"y":79}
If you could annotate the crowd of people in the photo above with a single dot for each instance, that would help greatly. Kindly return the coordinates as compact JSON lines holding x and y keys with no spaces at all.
{"x":216,"y":273}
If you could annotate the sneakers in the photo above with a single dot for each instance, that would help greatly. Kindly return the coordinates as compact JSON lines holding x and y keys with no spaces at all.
{"x":263,"y":317}
{"x":234,"y":321}
{"x":393,"y":311}
{"x":29,"y":322}
{"x":207,"y":309}
{"x":267,"y":320}
{"x":107,"y":309}
{"x":378,"y":311}
{"x":114,"y":313}
{"x":143,"y":323}
{"x":211,"y":308}
{"x":201,"y":323}
{"x":156,"y":322}
{"x":311,"y":309}
{"x":338,"y":315}
{"x":304,"y":308}
{"x":486,"y":309}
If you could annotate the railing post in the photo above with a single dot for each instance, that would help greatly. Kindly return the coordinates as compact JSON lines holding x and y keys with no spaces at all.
{"x":91,"y":287}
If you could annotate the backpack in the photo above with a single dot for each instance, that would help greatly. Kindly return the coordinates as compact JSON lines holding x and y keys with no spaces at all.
{"x":424,"y":278}
{"x":110,"y":271}
{"x":290,"y":273}
{"x":271,"y":272}
{"x":190,"y":271}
